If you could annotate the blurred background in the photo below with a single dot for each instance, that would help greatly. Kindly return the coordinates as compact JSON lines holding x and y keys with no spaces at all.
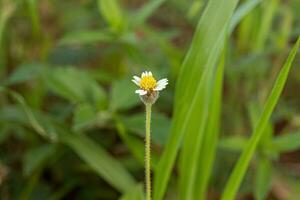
{"x":71,"y":126}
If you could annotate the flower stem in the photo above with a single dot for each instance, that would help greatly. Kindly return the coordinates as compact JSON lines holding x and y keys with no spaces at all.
{"x":148,"y":152}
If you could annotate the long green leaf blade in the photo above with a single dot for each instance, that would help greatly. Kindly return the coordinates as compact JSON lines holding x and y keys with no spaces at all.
{"x":111,"y":170}
{"x":239,"y":171}
{"x":241,"y":12}
{"x":202,"y":56}
{"x":210,"y":139}
{"x":135,"y":193}
{"x":111,"y":12}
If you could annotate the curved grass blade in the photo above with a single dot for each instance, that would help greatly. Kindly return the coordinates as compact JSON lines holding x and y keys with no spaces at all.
{"x":239,"y":171}
{"x":210,"y":139}
{"x":202,"y":56}
{"x":269,"y":10}
{"x":241,"y":12}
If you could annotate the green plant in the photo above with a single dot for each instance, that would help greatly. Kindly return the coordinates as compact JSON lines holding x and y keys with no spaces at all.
{"x":72,"y":127}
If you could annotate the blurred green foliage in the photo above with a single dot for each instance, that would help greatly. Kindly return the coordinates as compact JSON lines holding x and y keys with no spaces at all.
{"x":71,"y":126}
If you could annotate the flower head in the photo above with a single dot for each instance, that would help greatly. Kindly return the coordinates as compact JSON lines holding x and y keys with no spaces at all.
{"x":149,"y":87}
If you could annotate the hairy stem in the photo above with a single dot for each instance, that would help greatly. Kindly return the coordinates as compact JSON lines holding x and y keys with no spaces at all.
{"x":148,"y":152}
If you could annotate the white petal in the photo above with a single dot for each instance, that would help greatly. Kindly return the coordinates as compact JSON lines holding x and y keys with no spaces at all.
{"x":159,"y":88}
{"x":144,"y":74}
{"x":162,"y":84}
{"x":150,"y":73}
{"x":141,"y":92}
{"x":162,"y":81}
{"x":136,"y":82}
{"x":137,"y":78}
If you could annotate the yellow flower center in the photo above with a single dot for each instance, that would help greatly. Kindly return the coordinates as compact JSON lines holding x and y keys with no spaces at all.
{"x":148,"y":83}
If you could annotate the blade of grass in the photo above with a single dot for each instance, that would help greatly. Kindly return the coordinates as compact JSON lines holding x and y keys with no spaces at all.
{"x":135,"y":193}
{"x":263,"y":178}
{"x":145,"y":12}
{"x":34,"y":17}
{"x":211,"y":134}
{"x":196,"y":116}
{"x":286,"y":26}
{"x":241,"y":12}
{"x":210,"y":139}
{"x":263,"y":172}
{"x":239,"y":171}
{"x":203,"y":54}
{"x":194,"y":132}
{"x":111,"y":12}
{"x":269,"y":11}
{"x":7,"y":9}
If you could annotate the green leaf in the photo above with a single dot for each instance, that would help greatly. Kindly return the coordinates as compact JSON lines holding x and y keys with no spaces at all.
{"x":35,"y":157}
{"x":97,"y":158}
{"x":286,"y":143}
{"x":40,"y":123}
{"x":240,"y":168}
{"x":135,"y":145}
{"x":86,"y":117}
{"x":13,"y":114}
{"x":111,"y":12}
{"x":75,"y":85}
{"x":241,"y":12}
{"x":145,"y":12}
{"x":269,"y":10}
{"x":135,"y":194}
{"x":25,"y":72}
{"x":192,"y":97}
{"x":160,"y":127}
{"x":7,"y":10}
{"x":234,"y":143}
{"x":94,"y":155}
{"x":210,"y":139}
{"x":86,"y":37}
{"x":263,"y":178}
{"x":123,"y":96}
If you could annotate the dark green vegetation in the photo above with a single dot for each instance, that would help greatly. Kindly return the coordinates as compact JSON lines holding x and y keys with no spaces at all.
{"x":227,"y":126}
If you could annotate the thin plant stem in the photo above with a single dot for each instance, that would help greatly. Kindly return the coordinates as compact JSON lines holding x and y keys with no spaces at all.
{"x":148,"y":152}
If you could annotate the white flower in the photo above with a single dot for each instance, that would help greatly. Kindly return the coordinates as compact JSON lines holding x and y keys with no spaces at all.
{"x":148,"y":84}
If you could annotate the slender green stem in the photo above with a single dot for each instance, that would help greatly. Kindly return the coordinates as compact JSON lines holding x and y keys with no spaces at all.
{"x":148,"y":152}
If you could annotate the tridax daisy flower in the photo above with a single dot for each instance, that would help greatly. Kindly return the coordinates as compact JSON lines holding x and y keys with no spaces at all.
{"x":149,"y":87}
{"x":148,"y":92}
